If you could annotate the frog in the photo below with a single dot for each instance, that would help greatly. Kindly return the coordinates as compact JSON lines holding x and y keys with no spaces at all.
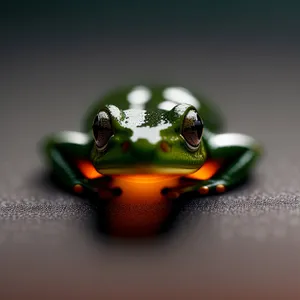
{"x":152,"y":130}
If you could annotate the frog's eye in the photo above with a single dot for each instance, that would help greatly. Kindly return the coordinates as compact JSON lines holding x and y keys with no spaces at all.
{"x":192,"y":130}
{"x":102,"y":130}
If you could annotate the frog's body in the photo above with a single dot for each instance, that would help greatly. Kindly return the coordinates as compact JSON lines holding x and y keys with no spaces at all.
{"x":152,"y":130}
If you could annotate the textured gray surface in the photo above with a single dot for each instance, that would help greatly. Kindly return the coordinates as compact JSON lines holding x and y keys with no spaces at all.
{"x":241,"y":244}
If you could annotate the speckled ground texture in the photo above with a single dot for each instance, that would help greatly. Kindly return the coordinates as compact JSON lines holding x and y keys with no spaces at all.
{"x":242,"y":244}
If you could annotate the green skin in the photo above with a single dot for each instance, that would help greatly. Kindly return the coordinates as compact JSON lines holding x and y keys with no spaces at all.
{"x":144,"y":117}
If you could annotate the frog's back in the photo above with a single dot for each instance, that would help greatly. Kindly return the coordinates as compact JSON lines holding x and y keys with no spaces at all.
{"x":157,"y":97}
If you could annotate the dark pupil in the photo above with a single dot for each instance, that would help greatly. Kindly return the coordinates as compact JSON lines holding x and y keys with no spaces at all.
{"x":192,"y":129}
{"x":198,"y":128}
{"x":102,"y":129}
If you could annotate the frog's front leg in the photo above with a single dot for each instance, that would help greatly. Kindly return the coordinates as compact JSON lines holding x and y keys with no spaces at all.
{"x":62,"y":150}
{"x":238,"y":154}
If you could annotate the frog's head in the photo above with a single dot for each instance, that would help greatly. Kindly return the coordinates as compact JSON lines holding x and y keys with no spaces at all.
{"x":137,"y":141}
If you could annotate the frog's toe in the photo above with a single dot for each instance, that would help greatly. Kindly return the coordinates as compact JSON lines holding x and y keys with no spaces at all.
{"x":78,"y":188}
{"x":204,"y":190}
{"x":220,"y":188}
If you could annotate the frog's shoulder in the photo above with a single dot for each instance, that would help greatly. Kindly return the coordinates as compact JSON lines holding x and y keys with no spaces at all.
{"x":151,"y":97}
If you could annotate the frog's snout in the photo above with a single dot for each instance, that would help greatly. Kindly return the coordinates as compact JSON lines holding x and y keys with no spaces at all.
{"x":143,"y":147}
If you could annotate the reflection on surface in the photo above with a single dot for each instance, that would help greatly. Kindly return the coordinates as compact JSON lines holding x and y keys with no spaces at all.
{"x":137,"y":220}
{"x":141,"y":209}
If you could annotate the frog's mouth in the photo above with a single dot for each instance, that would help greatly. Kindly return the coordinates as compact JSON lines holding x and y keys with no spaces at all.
{"x":206,"y":171}
{"x":147,"y":169}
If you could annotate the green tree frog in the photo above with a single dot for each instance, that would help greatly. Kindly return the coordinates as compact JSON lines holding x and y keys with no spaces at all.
{"x":165,"y":134}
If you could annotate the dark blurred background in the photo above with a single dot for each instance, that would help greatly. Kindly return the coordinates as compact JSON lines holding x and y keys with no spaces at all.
{"x":58,"y":57}
{"x":119,"y":16}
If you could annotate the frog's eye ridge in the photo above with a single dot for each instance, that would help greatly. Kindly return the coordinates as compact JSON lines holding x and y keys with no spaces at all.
{"x":192,"y":130}
{"x":102,"y":129}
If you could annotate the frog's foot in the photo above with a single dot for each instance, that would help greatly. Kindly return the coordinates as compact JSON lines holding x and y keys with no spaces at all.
{"x":207,"y":187}
{"x":212,"y":187}
{"x":100,"y":187}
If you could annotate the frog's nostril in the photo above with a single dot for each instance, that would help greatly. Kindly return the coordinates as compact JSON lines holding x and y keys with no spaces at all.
{"x":125,"y":146}
{"x":165,"y":147}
